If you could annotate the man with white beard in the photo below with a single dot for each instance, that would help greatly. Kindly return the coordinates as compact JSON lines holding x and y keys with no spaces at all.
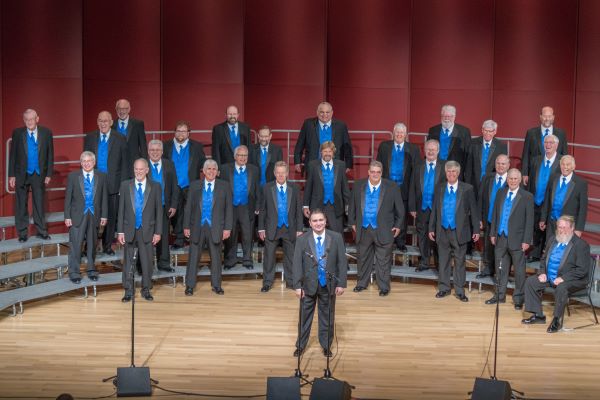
{"x":564,"y":266}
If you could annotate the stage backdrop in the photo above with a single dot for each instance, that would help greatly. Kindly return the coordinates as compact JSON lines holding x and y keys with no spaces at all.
{"x":377,"y":61}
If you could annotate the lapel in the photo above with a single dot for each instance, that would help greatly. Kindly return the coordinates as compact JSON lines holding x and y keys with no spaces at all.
{"x":81,"y":184}
{"x":250,"y":176}
{"x":422,"y":170}
{"x":336,"y":172}
{"x":132,"y":195}
{"x":492,"y":148}
{"x":312,"y":246}
{"x":95,"y":186}
{"x":459,"y":191}
{"x":214,"y":194}
{"x":321,"y":174}
{"x":454,"y":138}
{"x":111,"y":140}
{"x":515,"y":201}
{"x":381,"y":194}
{"x":129,"y":129}
{"x":478,"y":151}
{"x":227,"y":133}
{"x":565,"y":254}
{"x":363,"y":194}
{"x":274,"y":194}
{"x":24,"y":141}
{"x":289,"y":195}
{"x":232,"y":174}
{"x":570,"y":188}
{"x":146,"y":193}
{"x":269,"y":153}
{"x":438,"y":171}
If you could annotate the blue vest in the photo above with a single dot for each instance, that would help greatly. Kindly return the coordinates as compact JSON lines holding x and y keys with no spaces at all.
{"x":554,"y":261}
{"x":542,"y":183}
{"x":235,"y":138}
{"x":33,"y":161}
{"x":397,"y":167}
{"x":449,"y":210}
{"x":181,"y":162}
{"x":506,"y":208}
{"x":428,"y":188}
{"x":324,"y":134}
{"x":485,"y":153}
{"x":88,"y":188}
{"x":495,"y":189}
{"x":139,"y":205}
{"x":102,"y":155}
{"x":122,"y":128}
{"x":444,"y":144}
{"x":263,"y":166}
{"x":559,"y":199}
{"x":240,"y":187}
{"x":370,"y":211}
{"x":328,"y":180}
{"x":282,"y":211}
{"x":157,"y":176}
{"x":207,"y":201}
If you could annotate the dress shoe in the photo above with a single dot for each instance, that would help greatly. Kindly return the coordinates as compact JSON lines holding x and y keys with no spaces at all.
{"x":218,"y":290}
{"x":482,"y":275}
{"x":146,"y":295}
{"x":327,"y":353}
{"x":166,"y":269}
{"x":249,"y":266}
{"x":534,"y":319}
{"x":228,"y":267}
{"x":189,"y":291}
{"x":43,"y":236}
{"x":126,"y":298}
{"x":22,"y":239}
{"x":298,"y":352}
{"x":555,"y":326}
{"x":109,"y":252}
{"x":383,"y":293}
{"x":403,"y":248}
{"x":441,"y":294}
{"x":462,"y":297}
{"x":495,"y":300}
{"x":265,"y":288}
{"x":421,"y":268}
{"x":531,"y":259}
{"x":358,"y":289}
{"x":518,"y":306}
{"x":76,"y":280}
{"x":93,"y":278}
{"x":176,"y":247}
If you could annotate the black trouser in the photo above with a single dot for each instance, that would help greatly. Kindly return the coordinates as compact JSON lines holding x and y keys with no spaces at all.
{"x":447,"y":244}
{"x":509,"y":257}
{"x":539,"y":236}
{"x":400,"y":240}
{"x":534,"y":290}
{"x":214,"y":250}
{"x":489,"y":258}
{"x":243,"y":221}
{"x":324,"y":300}
{"x":177,"y":220}
{"x":334,"y":222}
{"x":145,"y":255}
{"x":163,"y":255}
{"x":111,"y":224}
{"x":86,"y":231}
{"x":425,"y":244}
{"x":35,"y":183}
{"x":282,"y":234}
{"x":369,"y":249}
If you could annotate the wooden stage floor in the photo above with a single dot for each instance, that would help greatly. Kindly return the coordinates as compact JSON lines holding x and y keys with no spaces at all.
{"x":408,"y":345}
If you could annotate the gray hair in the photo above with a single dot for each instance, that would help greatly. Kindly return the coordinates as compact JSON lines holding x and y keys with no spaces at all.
{"x":449,"y":108}
{"x":432,"y":141}
{"x":210,"y":163}
{"x":87,"y":154}
{"x":155,"y":142}
{"x":29,"y":111}
{"x":490,"y":124}
{"x":553,"y":137}
{"x":452,"y":165}
{"x":400,"y":125}
{"x":240,"y":147}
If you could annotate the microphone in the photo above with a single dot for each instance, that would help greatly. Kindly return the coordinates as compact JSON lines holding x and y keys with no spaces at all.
{"x":135,"y":251}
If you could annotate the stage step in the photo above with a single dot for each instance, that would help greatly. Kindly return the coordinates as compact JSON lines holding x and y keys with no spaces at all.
{"x":6,"y":246}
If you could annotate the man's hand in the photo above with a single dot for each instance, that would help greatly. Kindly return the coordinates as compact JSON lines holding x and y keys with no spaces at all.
{"x":475,"y":237}
{"x":226,"y":234}
{"x":493,"y":240}
{"x":396,"y":231}
{"x":298,"y":167}
{"x":47,"y":180}
{"x":11,"y":182}
{"x":171,"y":212}
{"x":414,"y":214}
{"x":542,"y":226}
{"x":353,"y":228}
{"x":431,"y":236}
{"x":155,"y":239}
{"x":299,"y":293}
{"x":339,"y":291}
{"x":261,"y":235}
{"x":103,"y":221}
{"x":524,"y":246}
{"x":186,"y":233}
{"x":121,"y":238}
{"x":525,"y":180}
{"x":68,"y":222}
{"x":306,"y":212}
{"x":299,"y":233}
{"x":558,"y":281}
{"x":578,"y":233}
{"x":542,"y":278}
{"x":348,"y":170}
{"x":480,"y":225}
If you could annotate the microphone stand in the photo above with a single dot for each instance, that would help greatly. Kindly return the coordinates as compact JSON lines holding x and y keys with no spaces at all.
{"x":298,"y":372}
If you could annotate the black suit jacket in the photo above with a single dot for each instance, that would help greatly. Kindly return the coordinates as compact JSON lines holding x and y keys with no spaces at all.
{"x":254,"y":189}
{"x":17,"y":165}
{"x":170,"y":182}
{"x":459,"y":146}
{"x":309,"y":143}
{"x":576,"y":200}
{"x":314,"y":187}
{"x":274,"y":154}
{"x":222,"y":151}
{"x":415,"y":197}
{"x":136,"y":141}
{"x":197,"y":157}
{"x":411,"y":160}
{"x":152,"y":211}
{"x":117,"y":157}
{"x":390,"y":209}
{"x":75,"y":197}
{"x":520,"y":220}
{"x":533,"y":146}
{"x":473,"y":167}
{"x":466,"y":212}
{"x":267,"y":216}
{"x":574,"y":264}
{"x":485,"y":195}
{"x":536,"y":165}
{"x":222,"y":210}
{"x":305,"y":269}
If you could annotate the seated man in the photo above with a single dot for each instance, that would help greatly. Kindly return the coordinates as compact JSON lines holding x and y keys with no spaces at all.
{"x":564,"y":267}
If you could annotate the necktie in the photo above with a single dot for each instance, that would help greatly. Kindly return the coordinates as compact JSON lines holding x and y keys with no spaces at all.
{"x":32,"y":136}
{"x":264,"y":151}
{"x":156,"y":167}
{"x":209,"y":189}
{"x":451,"y":189}
{"x":447,"y":132}
{"x":240,"y":170}
{"x":487,"y":147}
{"x":88,"y":178}
{"x":547,"y":163}
{"x":122,"y":126}
{"x":103,"y":138}
{"x":232,"y":128}
{"x":510,"y":196}
{"x":499,"y":181}
{"x":564,"y":181}
{"x":180,"y":148}
{"x":140,"y":193}
{"x":398,"y":148}
{"x":281,"y":192}
{"x":547,"y":132}
{"x":430,"y":167}
{"x":328,"y":167}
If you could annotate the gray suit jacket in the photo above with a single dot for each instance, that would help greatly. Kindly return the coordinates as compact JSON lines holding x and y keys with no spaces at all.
{"x":534,"y":171}
{"x":117,"y":161}
{"x":466,"y":212}
{"x":576,"y":200}
{"x":254,"y":189}
{"x":305,"y":269}
{"x":222,"y":151}
{"x":473,"y":167}
{"x":575,"y":262}
{"x":222,"y":210}
{"x":390,"y":210}
{"x":415,"y":196}
{"x":313,"y":189}
{"x":520,"y":220}
{"x":533,"y":146}
{"x":75,"y":197}
{"x":17,"y":165}
{"x":152,"y":211}
{"x":267,"y":216}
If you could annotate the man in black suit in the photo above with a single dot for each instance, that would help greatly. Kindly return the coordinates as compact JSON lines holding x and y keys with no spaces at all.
{"x":454,"y":139}
{"x":488,"y":190}
{"x":534,"y":141}
{"x":399,"y":158}
{"x":243,"y":182}
{"x":427,"y":176}
{"x":110,"y":149}
{"x":134,"y":133}
{"x":208,"y":220}
{"x":265,"y":154}
{"x":454,"y":222}
{"x":327,"y":188}
{"x":567,"y":194}
{"x":228,"y":135}
{"x":543,"y":171}
{"x":30,"y":167}
{"x":376,"y":214}
{"x":279,"y":220}
{"x":86,"y":203}
{"x":564,"y":266}
{"x":511,"y":233}
{"x":162,"y":172}
{"x":321,"y":129}
{"x":188,"y":158}
{"x":482,"y":155}
{"x":140,"y":225}
{"x":319,"y":252}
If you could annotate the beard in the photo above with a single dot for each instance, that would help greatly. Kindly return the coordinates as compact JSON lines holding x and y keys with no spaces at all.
{"x":564,"y":237}
{"x":446,"y":124}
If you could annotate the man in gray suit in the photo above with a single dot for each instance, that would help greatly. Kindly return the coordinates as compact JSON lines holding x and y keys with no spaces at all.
{"x":376,"y":214}
{"x":139,"y":225}
{"x":511,"y":232}
{"x":327,"y":187}
{"x":207,"y":220}
{"x":454,"y":222}
{"x":279,"y":220}
{"x":86,"y":209}
{"x":318,"y":252}
{"x":565,"y":266}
